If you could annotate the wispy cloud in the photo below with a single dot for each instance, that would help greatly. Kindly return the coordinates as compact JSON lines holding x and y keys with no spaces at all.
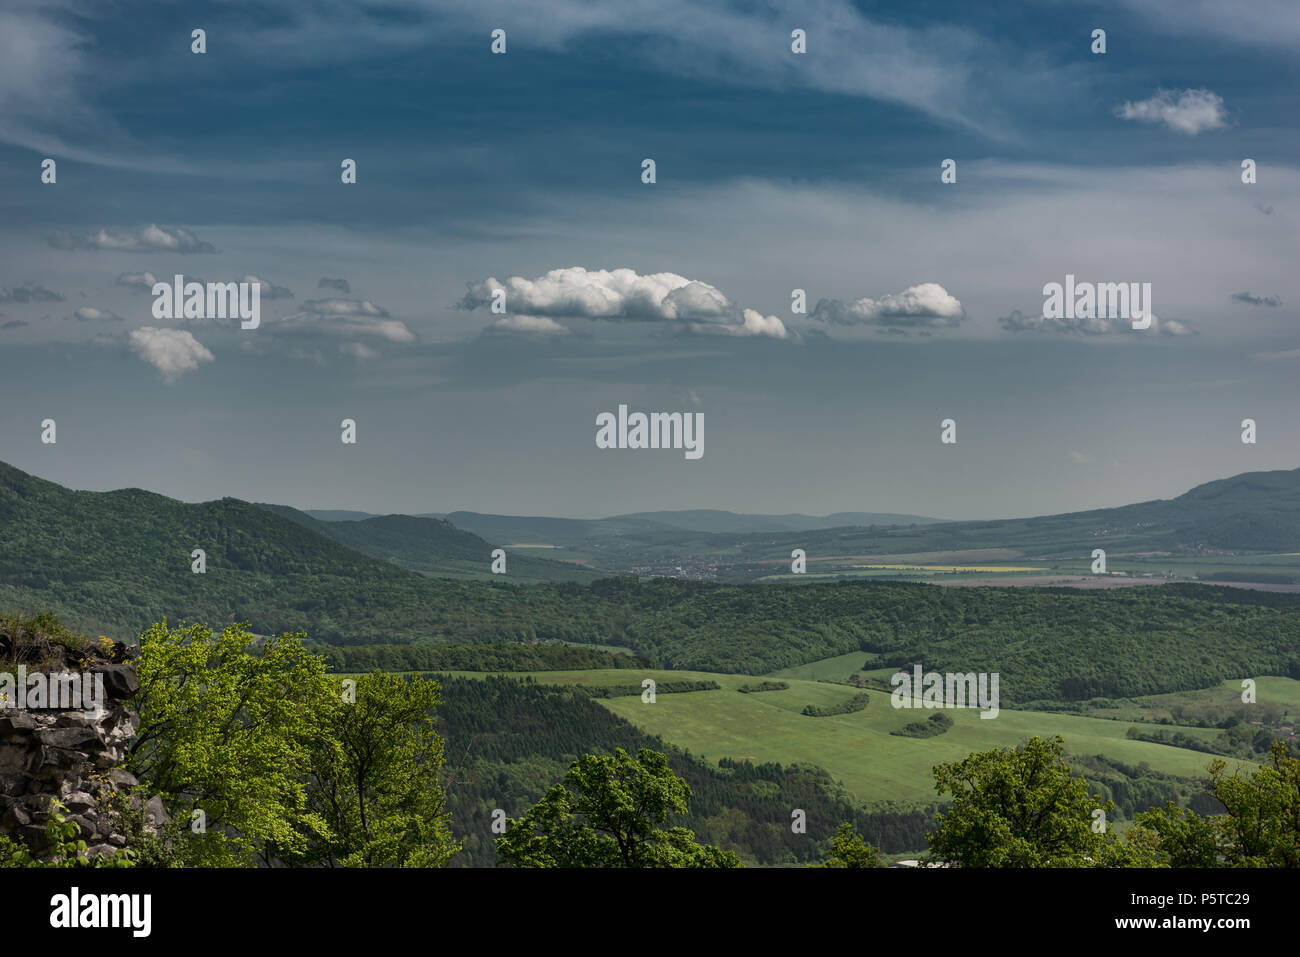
{"x":151,"y":238}
{"x":1251,"y":300}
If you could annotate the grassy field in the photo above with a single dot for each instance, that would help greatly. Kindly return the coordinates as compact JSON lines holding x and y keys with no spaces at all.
{"x":857,"y":748}
{"x":1277,"y":699}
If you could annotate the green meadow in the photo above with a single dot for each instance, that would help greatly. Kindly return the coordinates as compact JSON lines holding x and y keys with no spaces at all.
{"x":857,"y":748}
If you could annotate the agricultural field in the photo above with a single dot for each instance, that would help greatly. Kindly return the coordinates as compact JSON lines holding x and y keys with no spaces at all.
{"x":857,"y":749}
{"x":1277,"y":699}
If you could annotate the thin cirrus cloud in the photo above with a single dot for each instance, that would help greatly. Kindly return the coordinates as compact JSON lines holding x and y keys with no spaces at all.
{"x":348,"y":318}
{"x":1251,"y":300}
{"x":528,"y":325}
{"x":28,"y":292}
{"x":616,"y":295}
{"x":1189,"y":112}
{"x":924,"y":306}
{"x":269,"y":290}
{"x":145,"y":281}
{"x":1019,"y":322}
{"x":173,"y":352}
{"x":91,"y":314}
{"x":146,"y":239}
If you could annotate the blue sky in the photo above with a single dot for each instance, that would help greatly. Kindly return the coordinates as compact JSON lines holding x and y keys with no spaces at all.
{"x":775,"y":171}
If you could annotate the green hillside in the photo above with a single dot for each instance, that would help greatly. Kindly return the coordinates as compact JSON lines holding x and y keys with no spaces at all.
{"x":115,"y":562}
{"x":432,"y":546}
{"x":1255,"y":511}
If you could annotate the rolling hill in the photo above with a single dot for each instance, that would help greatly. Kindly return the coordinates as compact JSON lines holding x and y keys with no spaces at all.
{"x":1252,"y":512}
{"x":431,"y":546}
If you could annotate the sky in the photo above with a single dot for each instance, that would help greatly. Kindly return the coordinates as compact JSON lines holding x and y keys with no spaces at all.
{"x":520,"y":176}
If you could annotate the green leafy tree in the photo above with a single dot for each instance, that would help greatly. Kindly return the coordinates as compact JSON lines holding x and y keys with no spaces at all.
{"x":1018,"y":808}
{"x":1262,"y":826}
{"x":1260,"y":829}
{"x":848,"y":849}
{"x":232,"y":733}
{"x":1176,"y":837}
{"x":608,"y":812}
{"x":374,"y":777}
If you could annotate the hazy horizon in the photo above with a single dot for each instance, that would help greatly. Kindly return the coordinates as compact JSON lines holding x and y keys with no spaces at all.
{"x":429,"y":512}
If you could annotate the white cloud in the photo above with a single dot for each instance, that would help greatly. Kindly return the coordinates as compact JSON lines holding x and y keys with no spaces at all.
{"x":756,"y":324}
{"x":927,"y":305}
{"x":269,"y":289}
{"x":1092,"y":325}
{"x":618,"y":295}
{"x":137,"y":280}
{"x":1173,"y":327}
{"x":537,"y":325}
{"x":151,"y":238}
{"x":602,"y":294}
{"x":1190,"y":112}
{"x":349,"y":318}
{"x":173,"y":352}
{"x":344,"y":307}
{"x":91,"y":314}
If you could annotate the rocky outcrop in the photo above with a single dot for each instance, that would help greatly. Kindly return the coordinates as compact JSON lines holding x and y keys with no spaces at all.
{"x":69,"y":756}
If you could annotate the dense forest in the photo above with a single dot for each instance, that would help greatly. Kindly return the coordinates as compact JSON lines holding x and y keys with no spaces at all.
{"x":481,"y":656}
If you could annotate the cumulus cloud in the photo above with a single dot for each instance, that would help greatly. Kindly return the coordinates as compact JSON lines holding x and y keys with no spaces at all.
{"x":173,"y":352}
{"x":1189,"y":112}
{"x":757,"y":324}
{"x":29,"y":292}
{"x":602,"y":294}
{"x":139,"y":281}
{"x":1250,"y":300}
{"x":146,"y":239}
{"x":342,"y":285}
{"x":91,"y":314}
{"x":927,"y":305}
{"x":618,"y":295}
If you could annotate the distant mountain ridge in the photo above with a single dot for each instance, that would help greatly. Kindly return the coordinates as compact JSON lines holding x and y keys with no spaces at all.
{"x":429,"y":545}
{"x":721,"y":521}
{"x":118,"y":561}
{"x":706,"y":520}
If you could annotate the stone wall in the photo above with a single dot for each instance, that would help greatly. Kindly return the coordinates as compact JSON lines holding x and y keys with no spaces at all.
{"x":69,"y":756}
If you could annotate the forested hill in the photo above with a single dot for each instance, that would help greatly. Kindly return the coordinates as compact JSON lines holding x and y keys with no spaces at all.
{"x":432,"y":546}
{"x":115,"y":562}
{"x":1252,"y":512}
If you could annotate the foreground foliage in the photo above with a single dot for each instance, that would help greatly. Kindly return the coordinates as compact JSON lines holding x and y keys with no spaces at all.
{"x":608,"y":812}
